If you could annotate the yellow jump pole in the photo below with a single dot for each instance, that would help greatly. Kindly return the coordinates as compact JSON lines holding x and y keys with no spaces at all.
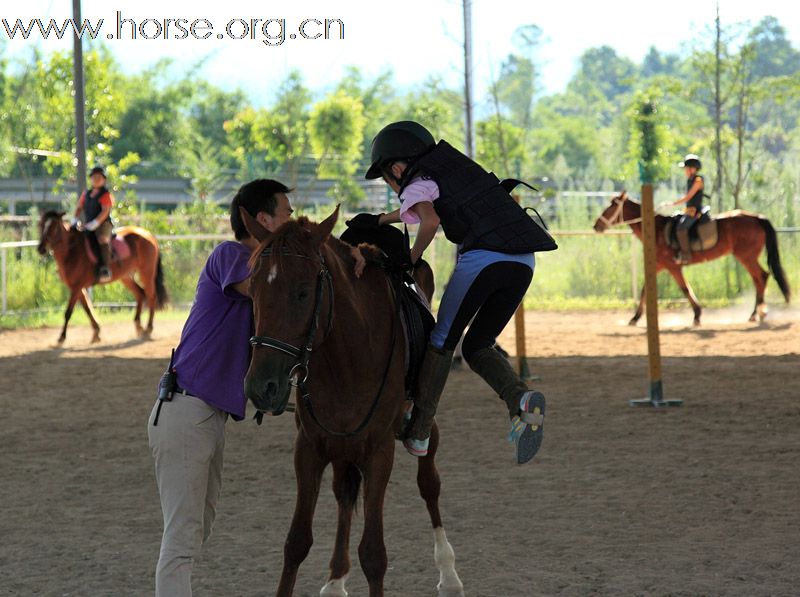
{"x":519,"y":333}
{"x":649,"y":148}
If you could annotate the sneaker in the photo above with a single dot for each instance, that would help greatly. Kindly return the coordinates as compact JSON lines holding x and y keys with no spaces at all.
{"x":417,"y":447}
{"x":527,"y":426}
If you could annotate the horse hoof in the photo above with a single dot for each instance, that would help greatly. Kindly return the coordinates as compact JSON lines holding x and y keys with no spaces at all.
{"x":752,"y":318}
{"x":633,"y":322}
{"x":61,"y":340}
{"x":696,"y":323}
{"x":95,"y":338}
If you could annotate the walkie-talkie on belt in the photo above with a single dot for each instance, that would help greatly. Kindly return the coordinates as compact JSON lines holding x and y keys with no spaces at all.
{"x":166,"y":386}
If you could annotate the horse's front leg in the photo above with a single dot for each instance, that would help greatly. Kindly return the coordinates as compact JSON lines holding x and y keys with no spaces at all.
{"x":677,"y":274}
{"x":73,"y":298}
{"x":429,"y":484}
{"x":372,"y":550}
{"x":346,"y":483}
{"x":639,"y":310}
{"x":308,"y":470}
{"x":87,"y":306}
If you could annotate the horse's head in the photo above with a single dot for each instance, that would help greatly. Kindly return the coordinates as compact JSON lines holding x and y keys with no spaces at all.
{"x":292,"y":298}
{"x":612,"y":215}
{"x":50,"y":227}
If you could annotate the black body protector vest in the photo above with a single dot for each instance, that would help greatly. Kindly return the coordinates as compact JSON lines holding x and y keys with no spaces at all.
{"x":474,"y":210}
{"x":697,"y":200}
{"x":91,"y":204}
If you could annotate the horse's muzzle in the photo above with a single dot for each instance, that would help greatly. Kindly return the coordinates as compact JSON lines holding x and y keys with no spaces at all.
{"x":269,"y":394}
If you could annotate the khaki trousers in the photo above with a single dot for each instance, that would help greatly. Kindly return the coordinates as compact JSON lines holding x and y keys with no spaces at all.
{"x":187,"y":446}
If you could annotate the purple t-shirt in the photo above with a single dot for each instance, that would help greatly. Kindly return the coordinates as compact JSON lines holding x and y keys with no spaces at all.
{"x":214,"y":351}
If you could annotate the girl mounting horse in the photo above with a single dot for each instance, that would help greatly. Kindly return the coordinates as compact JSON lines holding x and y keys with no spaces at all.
{"x":137,"y":252}
{"x":741,"y":234}
{"x":338,"y":339}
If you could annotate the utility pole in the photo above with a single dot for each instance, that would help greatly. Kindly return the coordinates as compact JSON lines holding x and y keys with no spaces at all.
{"x":718,"y":110}
{"x":80,"y":103}
{"x":469,"y":143}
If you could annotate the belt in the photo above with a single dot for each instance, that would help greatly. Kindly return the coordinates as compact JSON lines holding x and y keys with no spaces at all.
{"x":180,"y":390}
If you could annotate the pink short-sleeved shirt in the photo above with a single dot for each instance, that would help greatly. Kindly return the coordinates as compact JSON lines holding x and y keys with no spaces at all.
{"x":419,"y":190}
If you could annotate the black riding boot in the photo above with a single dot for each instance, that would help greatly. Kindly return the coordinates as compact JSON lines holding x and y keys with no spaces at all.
{"x":683,"y":240}
{"x":432,"y":377}
{"x":105,"y":262}
{"x":495,"y":369}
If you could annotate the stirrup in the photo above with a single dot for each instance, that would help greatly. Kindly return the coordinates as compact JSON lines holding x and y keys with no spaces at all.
{"x":104,"y":275}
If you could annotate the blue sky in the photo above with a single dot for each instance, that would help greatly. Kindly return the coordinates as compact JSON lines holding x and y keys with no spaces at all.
{"x":416,"y":38}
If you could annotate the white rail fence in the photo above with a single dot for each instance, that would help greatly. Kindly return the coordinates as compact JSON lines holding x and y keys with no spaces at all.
{"x":635,"y":256}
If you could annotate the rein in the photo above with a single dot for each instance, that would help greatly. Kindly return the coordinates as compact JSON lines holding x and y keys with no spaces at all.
{"x":303,"y":354}
{"x":616,"y":217}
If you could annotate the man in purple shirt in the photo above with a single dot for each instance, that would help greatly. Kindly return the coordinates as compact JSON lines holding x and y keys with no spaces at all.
{"x":187,"y":434}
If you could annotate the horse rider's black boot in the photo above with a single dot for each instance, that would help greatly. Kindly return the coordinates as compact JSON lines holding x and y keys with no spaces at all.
{"x":105,"y":261}
{"x":430,"y":384}
{"x":495,"y":369}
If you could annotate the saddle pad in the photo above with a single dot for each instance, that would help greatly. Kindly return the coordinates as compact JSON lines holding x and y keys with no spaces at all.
{"x":702,"y":236}
{"x":120,"y":250}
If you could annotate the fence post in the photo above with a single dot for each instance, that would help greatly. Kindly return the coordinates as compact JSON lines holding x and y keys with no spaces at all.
{"x":634,"y":271}
{"x":3,"y":274}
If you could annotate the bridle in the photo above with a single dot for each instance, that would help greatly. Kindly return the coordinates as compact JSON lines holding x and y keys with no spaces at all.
{"x":616,"y":216}
{"x":302,"y":354}
{"x":298,"y":374}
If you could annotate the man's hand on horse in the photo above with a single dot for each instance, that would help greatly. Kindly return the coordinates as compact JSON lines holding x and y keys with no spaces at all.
{"x":74,"y":224}
{"x":361,"y":263}
{"x":364,"y":221}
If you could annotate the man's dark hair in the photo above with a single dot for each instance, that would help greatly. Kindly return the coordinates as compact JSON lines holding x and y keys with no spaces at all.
{"x":255,"y":196}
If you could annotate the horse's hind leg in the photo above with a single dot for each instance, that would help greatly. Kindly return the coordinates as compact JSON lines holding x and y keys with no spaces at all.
{"x":429,"y":488}
{"x":138,"y":294}
{"x":86,"y":302}
{"x":639,"y":310}
{"x":760,"y":277}
{"x":308,"y":469}
{"x":372,"y":549}
{"x":346,"y":483}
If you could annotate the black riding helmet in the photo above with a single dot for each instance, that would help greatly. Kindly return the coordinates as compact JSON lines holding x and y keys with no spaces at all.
{"x":692,"y":161}
{"x":398,"y":141}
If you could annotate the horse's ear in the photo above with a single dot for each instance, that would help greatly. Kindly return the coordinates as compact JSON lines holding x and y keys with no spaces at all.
{"x":324,"y":229}
{"x":61,"y":214}
{"x":254,"y":229}
{"x":623,"y":195}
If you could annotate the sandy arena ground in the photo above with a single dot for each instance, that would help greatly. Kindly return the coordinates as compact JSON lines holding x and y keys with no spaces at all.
{"x":702,"y":500}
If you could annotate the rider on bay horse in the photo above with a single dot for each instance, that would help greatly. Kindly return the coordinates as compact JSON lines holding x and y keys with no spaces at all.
{"x":694,"y":205}
{"x":95,"y":205}
{"x":437,"y":184}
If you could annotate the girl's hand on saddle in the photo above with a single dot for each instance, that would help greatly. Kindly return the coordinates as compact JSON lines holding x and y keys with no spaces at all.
{"x":361,"y":263}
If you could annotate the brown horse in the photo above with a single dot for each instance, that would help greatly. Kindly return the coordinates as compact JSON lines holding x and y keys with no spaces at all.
{"x":740,"y":233}
{"x":78,"y":272}
{"x":351,"y":393}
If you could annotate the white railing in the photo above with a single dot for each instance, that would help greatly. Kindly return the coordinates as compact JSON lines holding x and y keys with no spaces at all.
{"x":4,"y":247}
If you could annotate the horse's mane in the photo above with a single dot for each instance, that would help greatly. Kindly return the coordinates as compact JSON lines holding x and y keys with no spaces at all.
{"x":52,"y":213}
{"x":294,"y":236}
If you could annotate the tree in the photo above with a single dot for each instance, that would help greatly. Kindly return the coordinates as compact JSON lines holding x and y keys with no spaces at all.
{"x":773,"y":54}
{"x":336,"y":131}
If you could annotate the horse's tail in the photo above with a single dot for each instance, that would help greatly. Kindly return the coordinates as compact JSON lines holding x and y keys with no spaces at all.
{"x":162,"y":297}
{"x":349,"y":485}
{"x":774,"y":258}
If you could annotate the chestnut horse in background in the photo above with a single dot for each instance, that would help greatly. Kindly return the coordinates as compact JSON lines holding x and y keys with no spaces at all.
{"x":78,"y":272}
{"x":351,"y":392}
{"x":741,"y":233}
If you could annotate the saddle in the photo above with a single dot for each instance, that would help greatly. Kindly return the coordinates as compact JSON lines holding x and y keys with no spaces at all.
{"x":415,"y":311}
{"x":703,"y":234}
{"x":120,"y":250}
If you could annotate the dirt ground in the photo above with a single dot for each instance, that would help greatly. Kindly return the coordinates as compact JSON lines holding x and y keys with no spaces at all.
{"x":701,"y":500}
